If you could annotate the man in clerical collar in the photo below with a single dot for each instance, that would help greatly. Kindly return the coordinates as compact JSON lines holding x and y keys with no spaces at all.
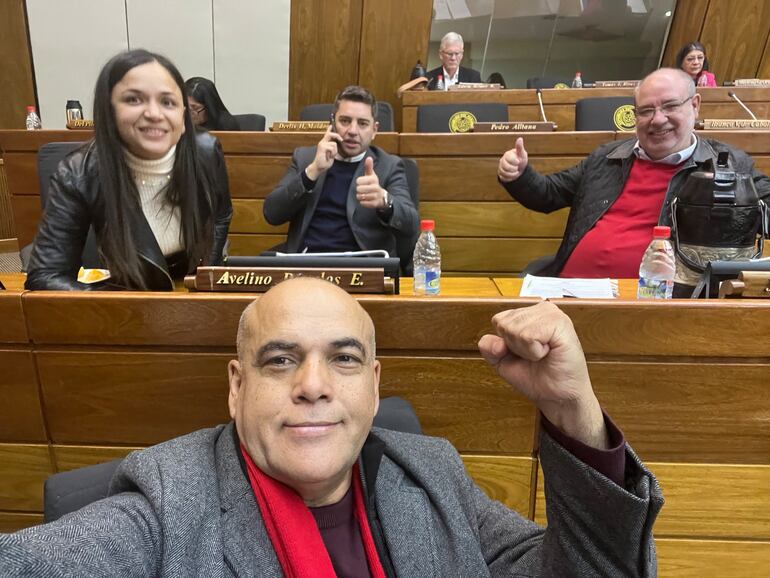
{"x":450,"y":53}
{"x":344,"y":194}
{"x":624,"y":188}
{"x":301,"y":484}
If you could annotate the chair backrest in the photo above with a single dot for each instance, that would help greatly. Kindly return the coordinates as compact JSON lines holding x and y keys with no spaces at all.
{"x":253,"y":122}
{"x":458,"y":117}
{"x":48,"y":158}
{"x":404,"y":245}
{"x":324,"y":112}
{"x":548,"y":82}
{"x":610,"y":113}
{"x":66,"y":492}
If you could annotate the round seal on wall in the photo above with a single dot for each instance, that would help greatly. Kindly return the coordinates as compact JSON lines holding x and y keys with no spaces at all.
{"x":624,"y":118}
{"x":561,"y":85}
{"x":461,"y":121}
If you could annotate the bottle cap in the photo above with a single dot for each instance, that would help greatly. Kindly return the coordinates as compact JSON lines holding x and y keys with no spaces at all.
{"x":73,"y":104}
{"x":661,"y":232}
{"x":577,"y":74}
{"x":30,"y":108}
{"x":427,"y":225}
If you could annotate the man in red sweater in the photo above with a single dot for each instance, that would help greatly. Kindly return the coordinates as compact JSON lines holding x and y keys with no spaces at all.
{"x":623,"y":189}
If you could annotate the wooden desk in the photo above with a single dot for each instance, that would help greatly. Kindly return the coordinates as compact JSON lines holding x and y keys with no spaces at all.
{"x":94,"y":375}
{"x":480,"y":229}
{"x":559,"y":105}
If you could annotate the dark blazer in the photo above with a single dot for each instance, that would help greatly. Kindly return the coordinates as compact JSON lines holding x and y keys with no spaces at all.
{"x":185,"y":508}
{"x":465,"y":75}
{"x":74,"y":205}
{"x":289,"y":201}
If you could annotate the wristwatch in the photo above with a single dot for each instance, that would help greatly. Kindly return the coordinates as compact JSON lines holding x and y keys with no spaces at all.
{"x":388,"y":203}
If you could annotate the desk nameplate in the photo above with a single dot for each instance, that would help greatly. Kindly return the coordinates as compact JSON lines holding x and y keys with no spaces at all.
{"x":514,"y":126}
{"x":732,"y":124}
{"x":260,"y":279}
{"x":300,"y":126}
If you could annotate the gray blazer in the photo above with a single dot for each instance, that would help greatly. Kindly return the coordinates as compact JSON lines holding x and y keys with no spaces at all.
{"x":185,"y":508}
{"x":289,"y":201}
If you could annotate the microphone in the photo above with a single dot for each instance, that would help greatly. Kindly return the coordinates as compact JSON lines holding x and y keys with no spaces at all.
{"x":540,"y":102}
{"x":732,"y":95}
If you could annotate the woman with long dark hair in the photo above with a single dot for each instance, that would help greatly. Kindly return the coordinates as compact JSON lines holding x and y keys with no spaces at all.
{"x":153,"y":190}
{"x":208,"y":110}
{"x":692,"y":59}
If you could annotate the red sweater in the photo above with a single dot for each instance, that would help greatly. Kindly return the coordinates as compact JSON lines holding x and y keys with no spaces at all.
{"x":615,"y":245}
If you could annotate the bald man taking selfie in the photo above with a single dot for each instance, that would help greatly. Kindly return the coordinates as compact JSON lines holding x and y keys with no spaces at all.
{"x":301,"y":484}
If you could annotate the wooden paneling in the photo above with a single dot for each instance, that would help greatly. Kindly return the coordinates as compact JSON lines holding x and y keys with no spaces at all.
{"x":714,"y":501}
{"x":764,"y":65}
{"x":734,"y":34}
{"x":704,"y":501}
{"x":21,"y":172}
{"x":505,"y":479}
{"x":134,"y":319}
{"x":253,"y":244}
{"x":255,"y":176}
{"x":476,"y":254}
{"x":325,"y":41}
{"x":72,"y":457}
{"x":687,"y":412}
{"x":711,"y":558}
{"x":13,"y":328}
{"x":249,"y":218}
{"x":21,"y":419}
{"x":493,"y":145}
{"x":7,"y":229}
{"x":23,"y":469}
{"x":13,"y":521}
{"x":686,"y":26}
{"x":508,"y":219}
{"x":26,"y":216}
{"x":474,"y":179}
{"x":394,"y":35}
{"x":15,"y":65}
{"x":131,"y":398}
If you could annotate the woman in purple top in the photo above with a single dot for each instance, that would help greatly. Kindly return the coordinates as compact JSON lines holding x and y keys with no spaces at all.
{"x":692,"y":59}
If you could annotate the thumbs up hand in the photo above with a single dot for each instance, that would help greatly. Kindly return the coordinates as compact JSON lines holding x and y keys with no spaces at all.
{"x":368,"y":190}
{"x":513,"y":162}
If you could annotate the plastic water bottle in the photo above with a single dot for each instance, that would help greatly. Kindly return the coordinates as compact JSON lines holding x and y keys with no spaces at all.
{"x":440,"y":82}
{"x":656,"y":273}
{"x":33,"y":120}
{"x":577,"y":82}
{"x":427,"y":261}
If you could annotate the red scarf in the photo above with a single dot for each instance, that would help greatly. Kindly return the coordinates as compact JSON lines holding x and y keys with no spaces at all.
{"x":293,"y":531}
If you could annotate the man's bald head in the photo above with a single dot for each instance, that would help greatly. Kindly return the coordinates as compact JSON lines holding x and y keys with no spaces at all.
{"x":305,"y":387}
{"x":675,"y":76}
{"x":292,"y":293}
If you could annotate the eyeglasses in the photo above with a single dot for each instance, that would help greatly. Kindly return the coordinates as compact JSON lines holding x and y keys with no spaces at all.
{"x":197,"y":110}
{"x":669,"y":108}
{"x":452,"y":54}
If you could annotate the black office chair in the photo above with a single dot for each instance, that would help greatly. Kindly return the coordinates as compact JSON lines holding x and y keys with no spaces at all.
{"x":48,"y":158}
{"x":324,"y":111}
{"x":610,"y":113}
{"x":252,"y":122}
{"x":404,"y":245}
{"x":69,"y":491}
{"x":548,"y":82}
{"x":458,"y":117}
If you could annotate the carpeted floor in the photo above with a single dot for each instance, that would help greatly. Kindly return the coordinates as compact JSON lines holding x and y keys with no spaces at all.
{"x":10,"y":263}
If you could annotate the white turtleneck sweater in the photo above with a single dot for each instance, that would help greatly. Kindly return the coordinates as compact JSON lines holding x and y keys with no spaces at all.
{"x":152,"y":178}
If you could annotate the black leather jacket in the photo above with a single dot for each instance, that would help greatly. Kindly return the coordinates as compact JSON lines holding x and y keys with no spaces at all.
{"x":592,"y":186}
{"x":73,"y":206}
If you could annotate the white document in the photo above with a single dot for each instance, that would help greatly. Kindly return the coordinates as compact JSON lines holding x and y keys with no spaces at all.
{"x":552,"y":287}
